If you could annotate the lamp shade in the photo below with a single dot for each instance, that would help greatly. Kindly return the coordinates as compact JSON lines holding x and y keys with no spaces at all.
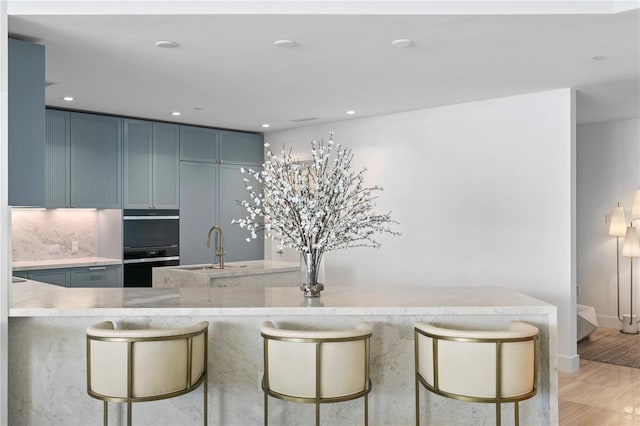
{"x":635,"y":210}
{"x":618,"y":225}
{"x":631,"y":247}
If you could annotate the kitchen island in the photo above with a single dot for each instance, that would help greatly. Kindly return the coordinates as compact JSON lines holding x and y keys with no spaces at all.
{"x":246,"y":274}
{"x":47,"y":359}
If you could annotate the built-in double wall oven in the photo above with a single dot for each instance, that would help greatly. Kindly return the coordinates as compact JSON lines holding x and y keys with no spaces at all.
{"x":151,"y":239}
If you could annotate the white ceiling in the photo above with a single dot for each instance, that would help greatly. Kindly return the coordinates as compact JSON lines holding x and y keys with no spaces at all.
{"x":228,"y":68}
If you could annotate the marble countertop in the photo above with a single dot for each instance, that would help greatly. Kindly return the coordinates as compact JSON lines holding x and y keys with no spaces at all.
{"x":75,"y":262}
{"x":235,"y":269}
{"x":32,"y":298}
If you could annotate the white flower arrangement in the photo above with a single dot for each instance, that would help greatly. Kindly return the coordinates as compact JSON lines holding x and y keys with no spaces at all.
{"x":315,"y":206}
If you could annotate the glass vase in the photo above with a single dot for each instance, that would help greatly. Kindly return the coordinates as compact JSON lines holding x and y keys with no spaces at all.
{"x":312,"y":274}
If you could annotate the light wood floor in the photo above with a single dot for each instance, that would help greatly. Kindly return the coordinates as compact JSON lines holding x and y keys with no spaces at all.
{"x":599,"y":395}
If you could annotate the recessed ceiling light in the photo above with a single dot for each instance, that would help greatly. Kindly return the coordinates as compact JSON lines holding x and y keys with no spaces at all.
{"x":285,"y":43}
{"x":197,"y":108}
{"x":67,"y":98}
{"x":402,"y":42}
{"x":265,"y":125}
{"x":176,"y":113}
{"x":351,"y":112}
{"x":166,"y":44}
{"x":599,"y":58}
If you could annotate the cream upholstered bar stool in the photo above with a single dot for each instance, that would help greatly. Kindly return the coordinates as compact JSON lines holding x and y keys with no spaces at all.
{"x":145,"y":365}
{"x":477,"y":366}
{"x":316,"y":367}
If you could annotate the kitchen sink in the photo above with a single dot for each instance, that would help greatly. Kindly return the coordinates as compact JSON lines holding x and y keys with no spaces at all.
{"x":209,"y":267}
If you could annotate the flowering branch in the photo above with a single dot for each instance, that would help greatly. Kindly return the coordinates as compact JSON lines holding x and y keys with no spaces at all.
{"x":314,"y":207}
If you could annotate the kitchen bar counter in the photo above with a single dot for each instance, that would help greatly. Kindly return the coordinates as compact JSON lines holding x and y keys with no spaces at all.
{"x":76,"y":262}
{"x":47,"y":350}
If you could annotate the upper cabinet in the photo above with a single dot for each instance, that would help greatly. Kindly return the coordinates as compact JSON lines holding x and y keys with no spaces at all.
{"x":83,"y":166}
{"x":96,"y":161}
{"x":151,"y":165}
{"x":241,"y":148}
{"x":205,"y":145}
{"x":57,"y":171}
{"x":26,"y":128}
{"x":198,"y":144}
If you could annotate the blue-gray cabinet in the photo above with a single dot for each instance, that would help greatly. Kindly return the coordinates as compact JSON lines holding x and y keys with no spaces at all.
{"x":58,"y":277}
{"x":96,"y":161}
{"x":199,"y":144}
{"x":151,"y":165}
{"x":90,"y":276}
{"x":198,"y":211}
{"x":231,"y":191}
{"x":96,"y":276}
{"x":26,"y":123}
{"x":209,"y":191}
{"x":241,"y":148}
{"x":83,"y":166}
{"x":57,"y":171}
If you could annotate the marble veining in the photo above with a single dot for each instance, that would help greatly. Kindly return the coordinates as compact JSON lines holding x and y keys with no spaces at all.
{"x":37,"y":299}
{"x":251,"y":273}
{"x":47,"y":356}
{"x":32,"y":231}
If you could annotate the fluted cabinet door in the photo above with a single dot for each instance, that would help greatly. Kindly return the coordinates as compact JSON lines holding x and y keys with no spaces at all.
{"x":166,"y":169}
{"x":138,"y":171}
{"x":57,"y":156}
{"x":232,"y":190}
{"x":96,"y":161}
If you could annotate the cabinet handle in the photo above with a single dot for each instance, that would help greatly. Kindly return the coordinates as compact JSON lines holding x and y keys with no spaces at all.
{"x":98,"y":268}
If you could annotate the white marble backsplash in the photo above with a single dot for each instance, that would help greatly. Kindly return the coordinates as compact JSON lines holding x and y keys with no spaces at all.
{"x":33,"y":231}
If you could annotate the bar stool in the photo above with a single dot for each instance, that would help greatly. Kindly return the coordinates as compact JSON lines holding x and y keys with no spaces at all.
{"x":145,"y":365}
{"x":316,"y":366}
{"x":477,"y":366}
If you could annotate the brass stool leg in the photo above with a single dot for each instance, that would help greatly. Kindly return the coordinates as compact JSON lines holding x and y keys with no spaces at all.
{"x":498,"y":414}
{"x":366,"y":410}
{"x":317,"y":412}
{"x":417,"y":402}
{"x":517,"y":413}
{"x":105,"y":413}
{"x":129,"y":413}
{"x":206,"y":401}
{"x":266,"y":409}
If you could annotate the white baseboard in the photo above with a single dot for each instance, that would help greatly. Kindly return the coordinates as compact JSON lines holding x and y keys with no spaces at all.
{"x":568,"y":364}
{"x":608,"y":321}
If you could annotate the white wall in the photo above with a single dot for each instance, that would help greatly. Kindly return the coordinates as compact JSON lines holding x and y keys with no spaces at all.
{"x":608,"y":158}
{"x":483,"y":194}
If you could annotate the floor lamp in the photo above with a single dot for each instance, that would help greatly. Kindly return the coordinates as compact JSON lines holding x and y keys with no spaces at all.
{"x":630,"y":249}
{"x":618,"y":228}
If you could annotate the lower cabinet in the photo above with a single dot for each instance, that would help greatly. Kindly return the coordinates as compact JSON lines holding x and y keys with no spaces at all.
{"x":96,"y":276}
{"x":92,"y":276}
{"x":52,"y":276}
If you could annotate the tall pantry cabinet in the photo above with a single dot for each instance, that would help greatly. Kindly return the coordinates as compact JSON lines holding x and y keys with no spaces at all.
{"x":210,"y":186}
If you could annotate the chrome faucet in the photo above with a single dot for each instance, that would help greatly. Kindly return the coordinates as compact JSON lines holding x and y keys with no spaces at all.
{"x":220,"y":251}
